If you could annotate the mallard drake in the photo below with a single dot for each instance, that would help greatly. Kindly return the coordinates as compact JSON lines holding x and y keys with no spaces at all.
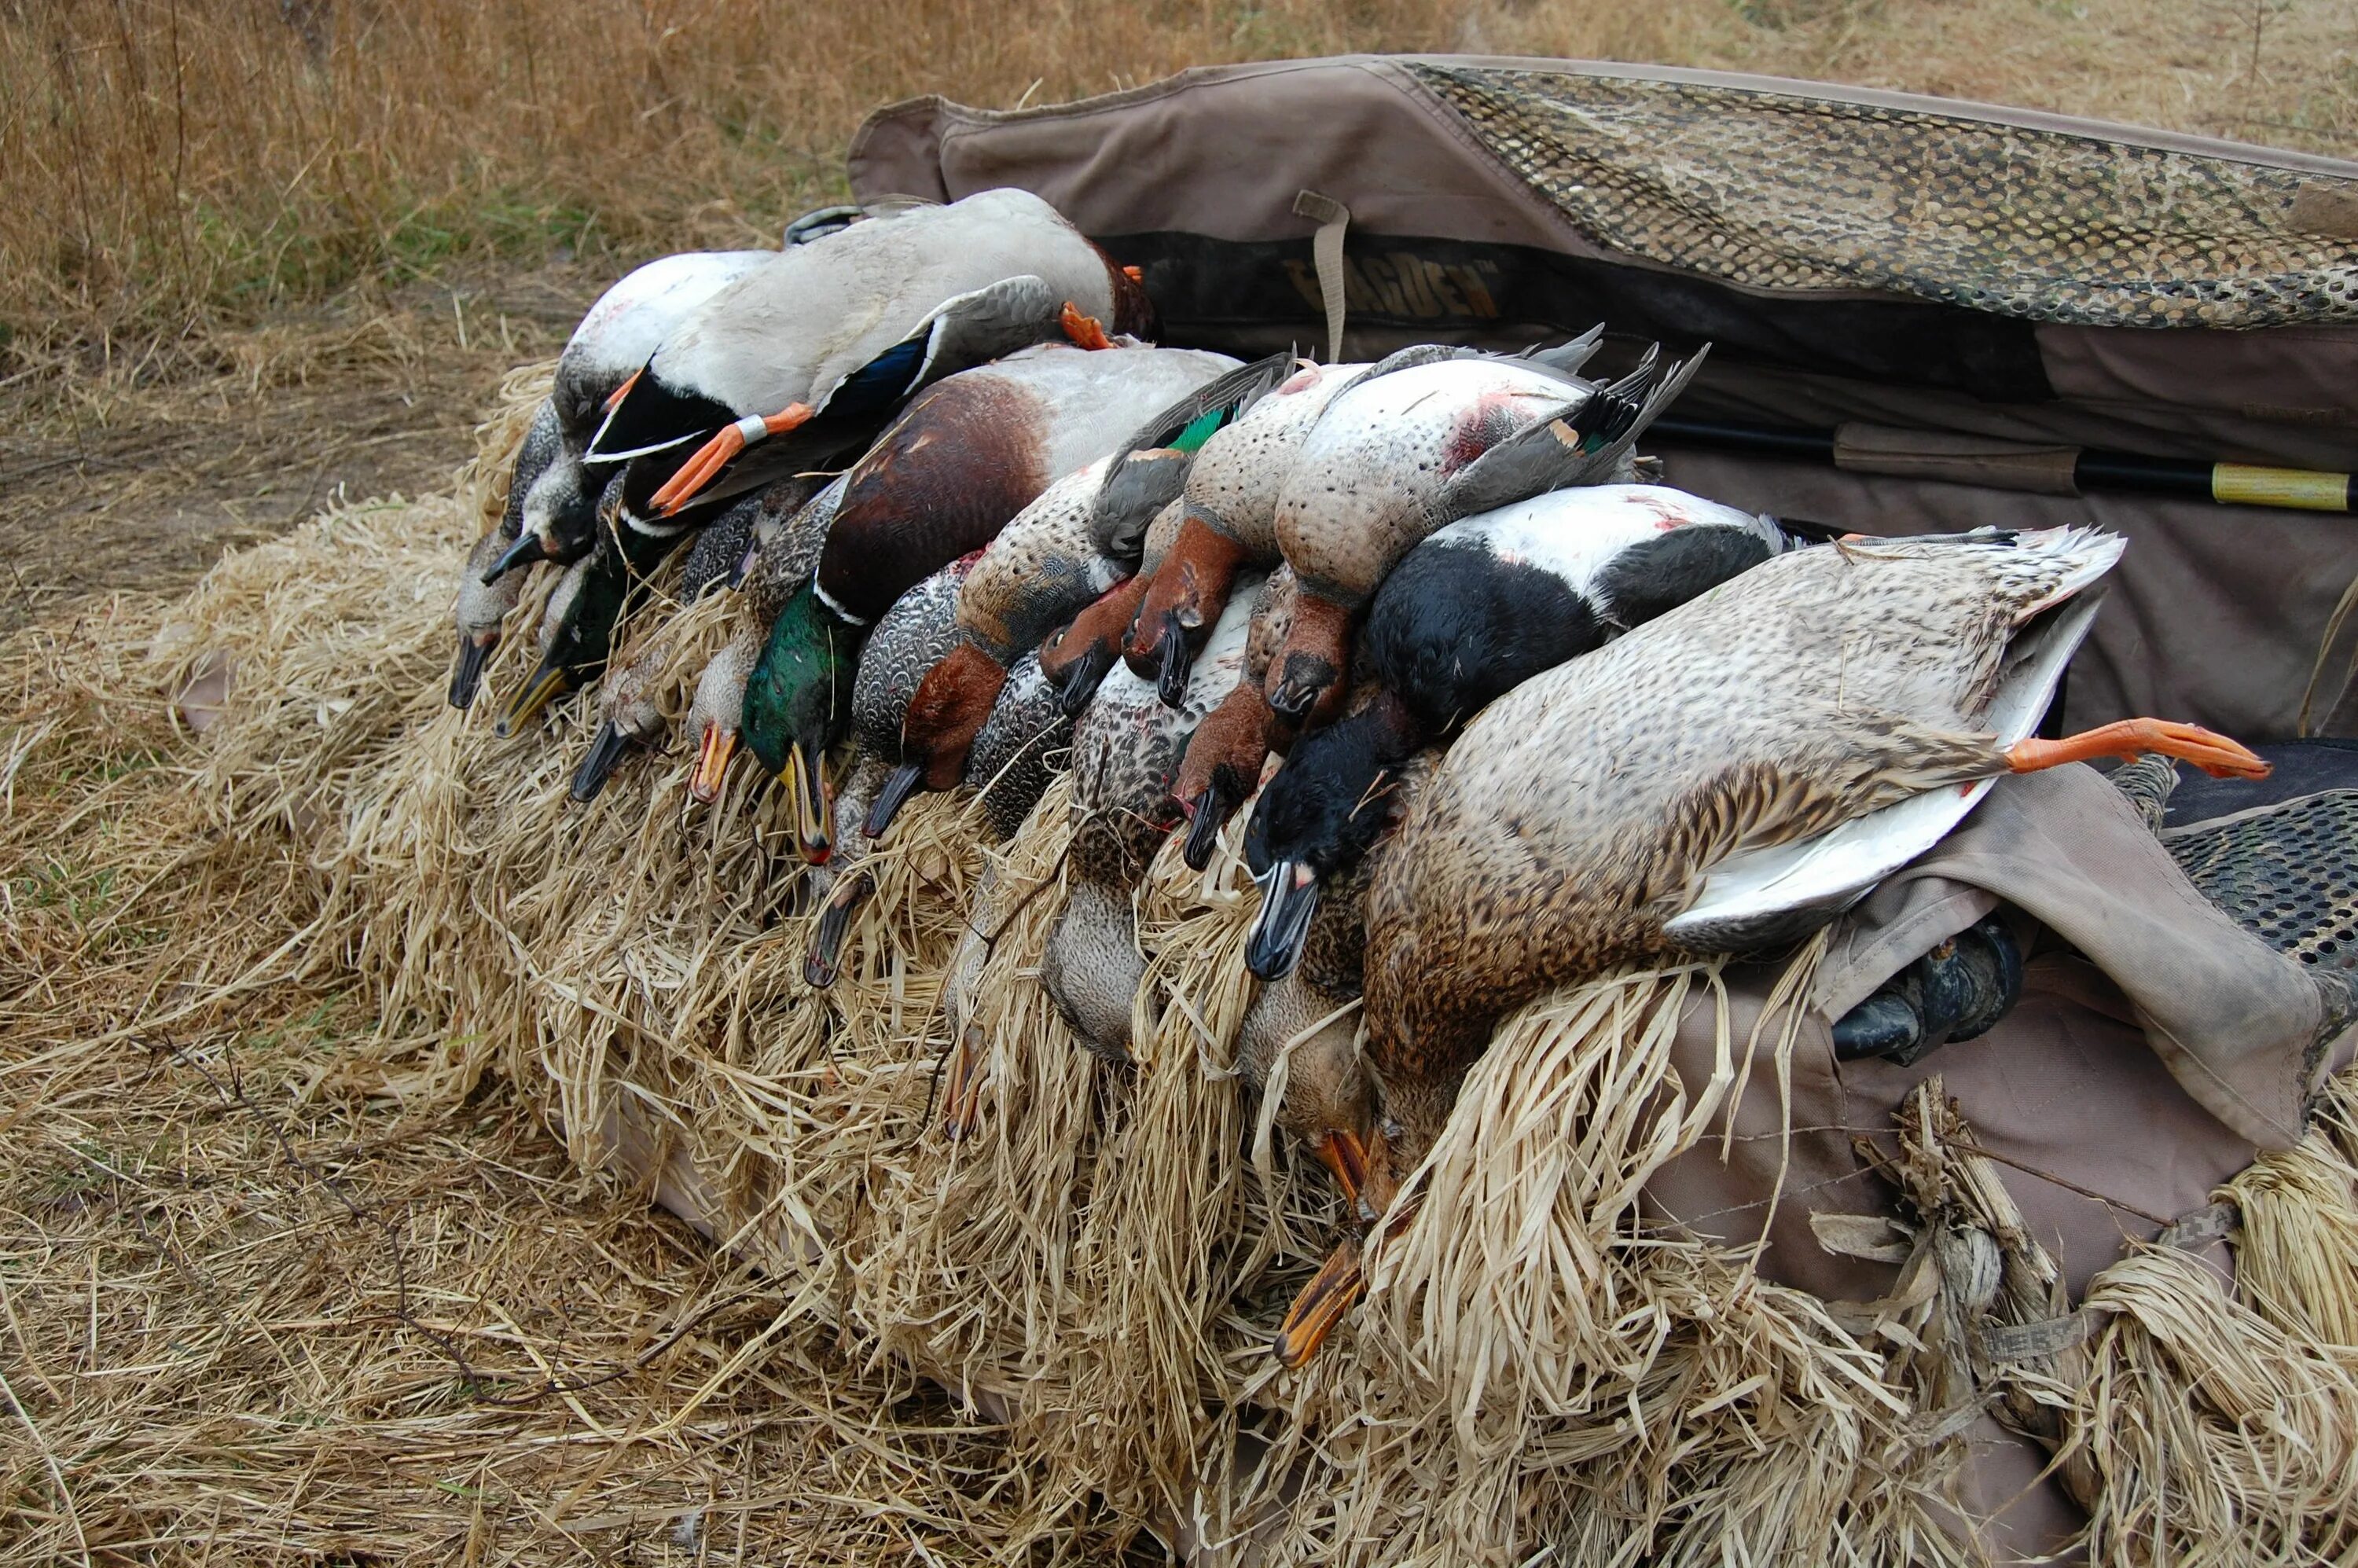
{"x":629,"y":321}
{"x":1126,"y":747}
{"x":485,"y":596}
{"x":965,"y":458}
{"x":1229,"y":748}
{"x":1144,"y":480}
{"x":1407,"y":451}
{"x":630,"y":714}
{"x":1473,"y":611}
{"x":812,"y":352}
{"x":1732,"y":772}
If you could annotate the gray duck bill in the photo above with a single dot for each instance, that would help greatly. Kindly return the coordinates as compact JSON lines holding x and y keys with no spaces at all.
{"x":606,"y":749}
{"x":1289,"y":900}
{"x":899,"y":785}
{"x":527,"y":549}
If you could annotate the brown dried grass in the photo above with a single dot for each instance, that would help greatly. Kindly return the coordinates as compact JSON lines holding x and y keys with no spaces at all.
{"x":289,"y":997}
{"x":179,"y":164}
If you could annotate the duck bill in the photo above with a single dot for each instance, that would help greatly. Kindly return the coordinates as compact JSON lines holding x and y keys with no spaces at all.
{"x":467,"y":675}
{"x":529,"y":548}
{"x":1173,"y":663}
{"x":606,"y":748}
{"x":899,"y":785}
{"x":1288,"y":899}
{"x":1207,"y":814}
{"x":711,"y":769}
{"x":1337,"y":1286}
{"x":1343,"y":1155}
{"x":548,"y":683}
{"x":1083,"y":677}
{"x":823,"y":962}
{"x":807,"y":799}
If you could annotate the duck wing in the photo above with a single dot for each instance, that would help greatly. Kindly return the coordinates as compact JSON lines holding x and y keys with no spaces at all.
{"x":1583,"y":442}
{"x":1151,"y":469}
{"x":1562,"y":362}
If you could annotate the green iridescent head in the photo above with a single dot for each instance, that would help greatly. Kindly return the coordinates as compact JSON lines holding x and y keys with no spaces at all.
{"x":798,"y":703}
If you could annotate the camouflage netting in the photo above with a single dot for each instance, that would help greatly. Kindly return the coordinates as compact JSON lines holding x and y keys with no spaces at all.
{"x":1778,"y":191}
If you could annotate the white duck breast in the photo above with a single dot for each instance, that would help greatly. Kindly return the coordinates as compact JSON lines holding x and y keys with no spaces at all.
{"x":790,"y":330}
{"x":1573,"y":534}
{"x":630,"y":321}
{"x":1095,"y":398}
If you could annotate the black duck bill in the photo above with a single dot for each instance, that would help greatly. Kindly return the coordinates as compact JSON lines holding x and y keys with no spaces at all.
{"x":899,"y":785}
{"x":606,"y":749}
{"x":467,"y":675}
{"x":823,"y":962}
{"x":1289,"y":902}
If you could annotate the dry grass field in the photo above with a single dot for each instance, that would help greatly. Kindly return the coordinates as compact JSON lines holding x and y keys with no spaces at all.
{"x":262,"y":1298}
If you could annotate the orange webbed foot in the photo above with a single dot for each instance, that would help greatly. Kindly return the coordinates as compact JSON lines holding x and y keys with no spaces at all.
{"x":1331,"y":1292}
{"x":2128,"y":738}
{"x":1085,"y":331}
{"x":719,"y":451}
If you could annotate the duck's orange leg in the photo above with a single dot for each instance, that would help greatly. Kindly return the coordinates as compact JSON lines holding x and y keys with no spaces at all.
{"x":962,"y":1088}
{"x":2128,"y":738}
{"x":716,"y":453}
{"x":1332,"y":1292}
{"x":1085,"y":331}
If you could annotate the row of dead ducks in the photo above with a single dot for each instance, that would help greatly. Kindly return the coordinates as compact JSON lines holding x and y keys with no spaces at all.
{"x":1528,"y":707}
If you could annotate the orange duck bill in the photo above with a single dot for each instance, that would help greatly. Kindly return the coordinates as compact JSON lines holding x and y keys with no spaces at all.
{"x":711,"y":771}
{"x":721,"y":450}
{"x":1334,"y":1291}
{"x":806,"y":802}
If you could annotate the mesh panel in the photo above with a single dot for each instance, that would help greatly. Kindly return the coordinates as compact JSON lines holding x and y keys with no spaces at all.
{"x":1776,"y":190}
{"x":2289,"y":875}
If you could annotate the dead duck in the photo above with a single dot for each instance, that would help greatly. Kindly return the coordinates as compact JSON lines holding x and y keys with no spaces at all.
{"x":785,"y":550}
{"x":812,"y":354}
{"x":1126,"y":748}
{"x":1009,"y":763}
{"x":1147,"y":476}
{"x":1041,"y":570}
{"x":559,"y":500}
{"x":485,"y":596}
{"x":1407,"y":451}
{"x":604,"y":586}
{"x":1472,"y":612}
{"x":630,"y":711}
{"x":1624,"y":807}
{"x":1229,"y":748}
{"x":965,"y":457}
{"x":1227,"y":520}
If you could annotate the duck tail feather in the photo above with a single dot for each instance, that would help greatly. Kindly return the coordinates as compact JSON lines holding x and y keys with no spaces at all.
{"x":1564,"y":360}
{"x":1584,"y":442}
